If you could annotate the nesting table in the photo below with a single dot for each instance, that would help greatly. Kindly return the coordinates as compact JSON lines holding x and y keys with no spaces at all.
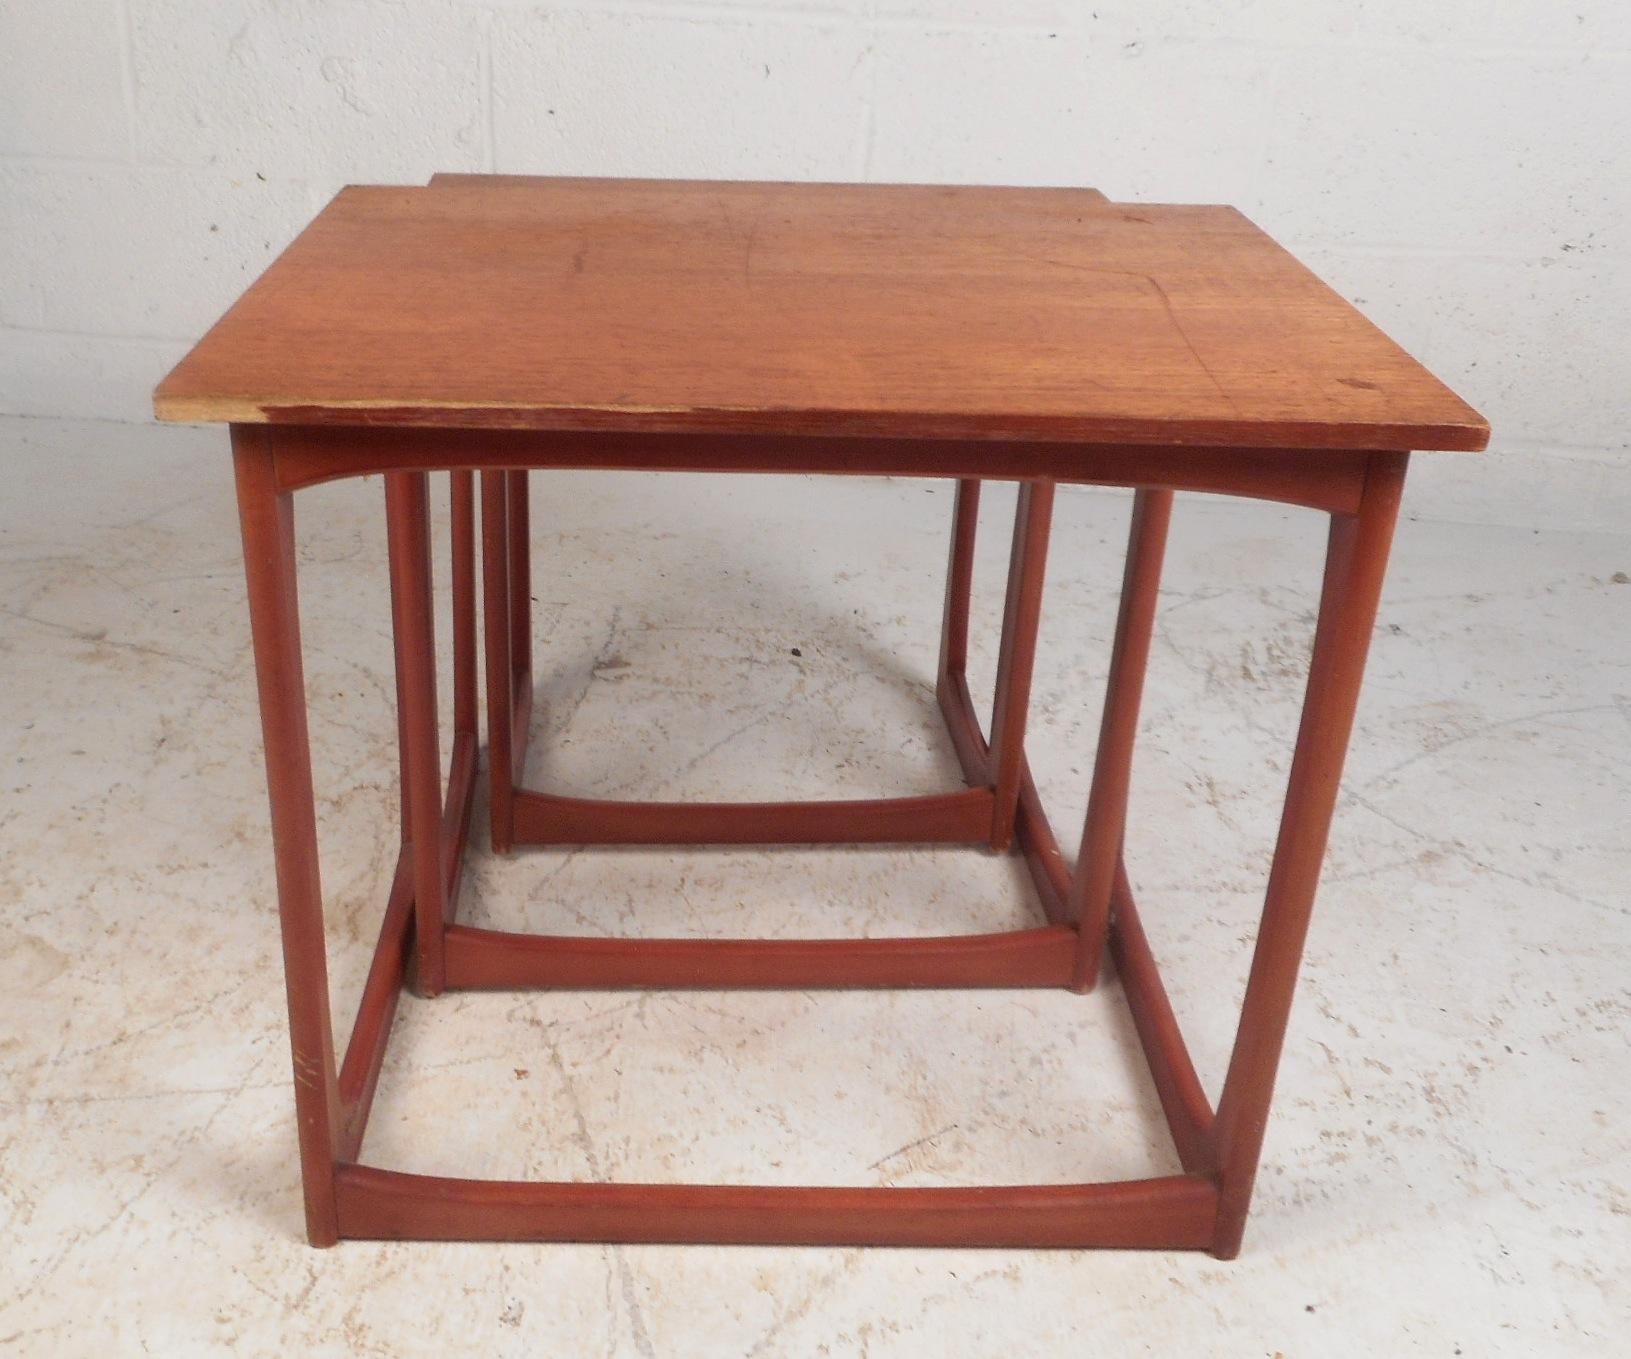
{"x":487,"y":327}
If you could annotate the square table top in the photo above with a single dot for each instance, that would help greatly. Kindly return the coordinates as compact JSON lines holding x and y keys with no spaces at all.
{"x":870,"y":310}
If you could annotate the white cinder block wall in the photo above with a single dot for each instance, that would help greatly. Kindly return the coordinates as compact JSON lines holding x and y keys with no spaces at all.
{"x":1461,"y":168}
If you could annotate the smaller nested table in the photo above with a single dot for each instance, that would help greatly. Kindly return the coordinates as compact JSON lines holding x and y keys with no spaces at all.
{"x":486,"y":327}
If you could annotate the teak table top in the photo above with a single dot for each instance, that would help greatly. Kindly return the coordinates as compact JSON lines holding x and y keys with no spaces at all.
{"x":1033,"y":314}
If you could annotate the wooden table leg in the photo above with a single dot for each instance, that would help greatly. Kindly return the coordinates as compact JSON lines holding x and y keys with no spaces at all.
{"x":1106,"y":821}
{"x":965,"y":523}
{"x":1016,"y":654}
{"x":497,"y":622}
{"x":266,"y":516}
{"x":1355,"y":564}
{"x":466,"y":731}
{"x":519,"y":526}
{"x":407,"y":500}
{"x":462,"y":501}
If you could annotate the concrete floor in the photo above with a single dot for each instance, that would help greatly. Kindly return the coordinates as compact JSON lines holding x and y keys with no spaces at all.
{"x":1447,"y":1172}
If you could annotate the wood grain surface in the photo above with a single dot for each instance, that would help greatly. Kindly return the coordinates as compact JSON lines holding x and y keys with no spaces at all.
{"x":870,"y":310}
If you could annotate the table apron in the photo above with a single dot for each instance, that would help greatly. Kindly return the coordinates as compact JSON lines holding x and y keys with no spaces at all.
{"x":1324,"y":479}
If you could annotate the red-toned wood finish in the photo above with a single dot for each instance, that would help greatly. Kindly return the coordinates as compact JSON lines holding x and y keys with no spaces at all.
{"x":266,"y":518}
{"x":407,"y":500}
{"x":1355,"y":564}
{"x":491,"y":959}
{"x":1100,"y":853}
{"x":1173,"y":1212}
{"x":1016,"y":653}
{"x":841,"y":310}
{"x":960,"y":818}
{"x":1287,"y":439}
{"x":502,"y":700}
